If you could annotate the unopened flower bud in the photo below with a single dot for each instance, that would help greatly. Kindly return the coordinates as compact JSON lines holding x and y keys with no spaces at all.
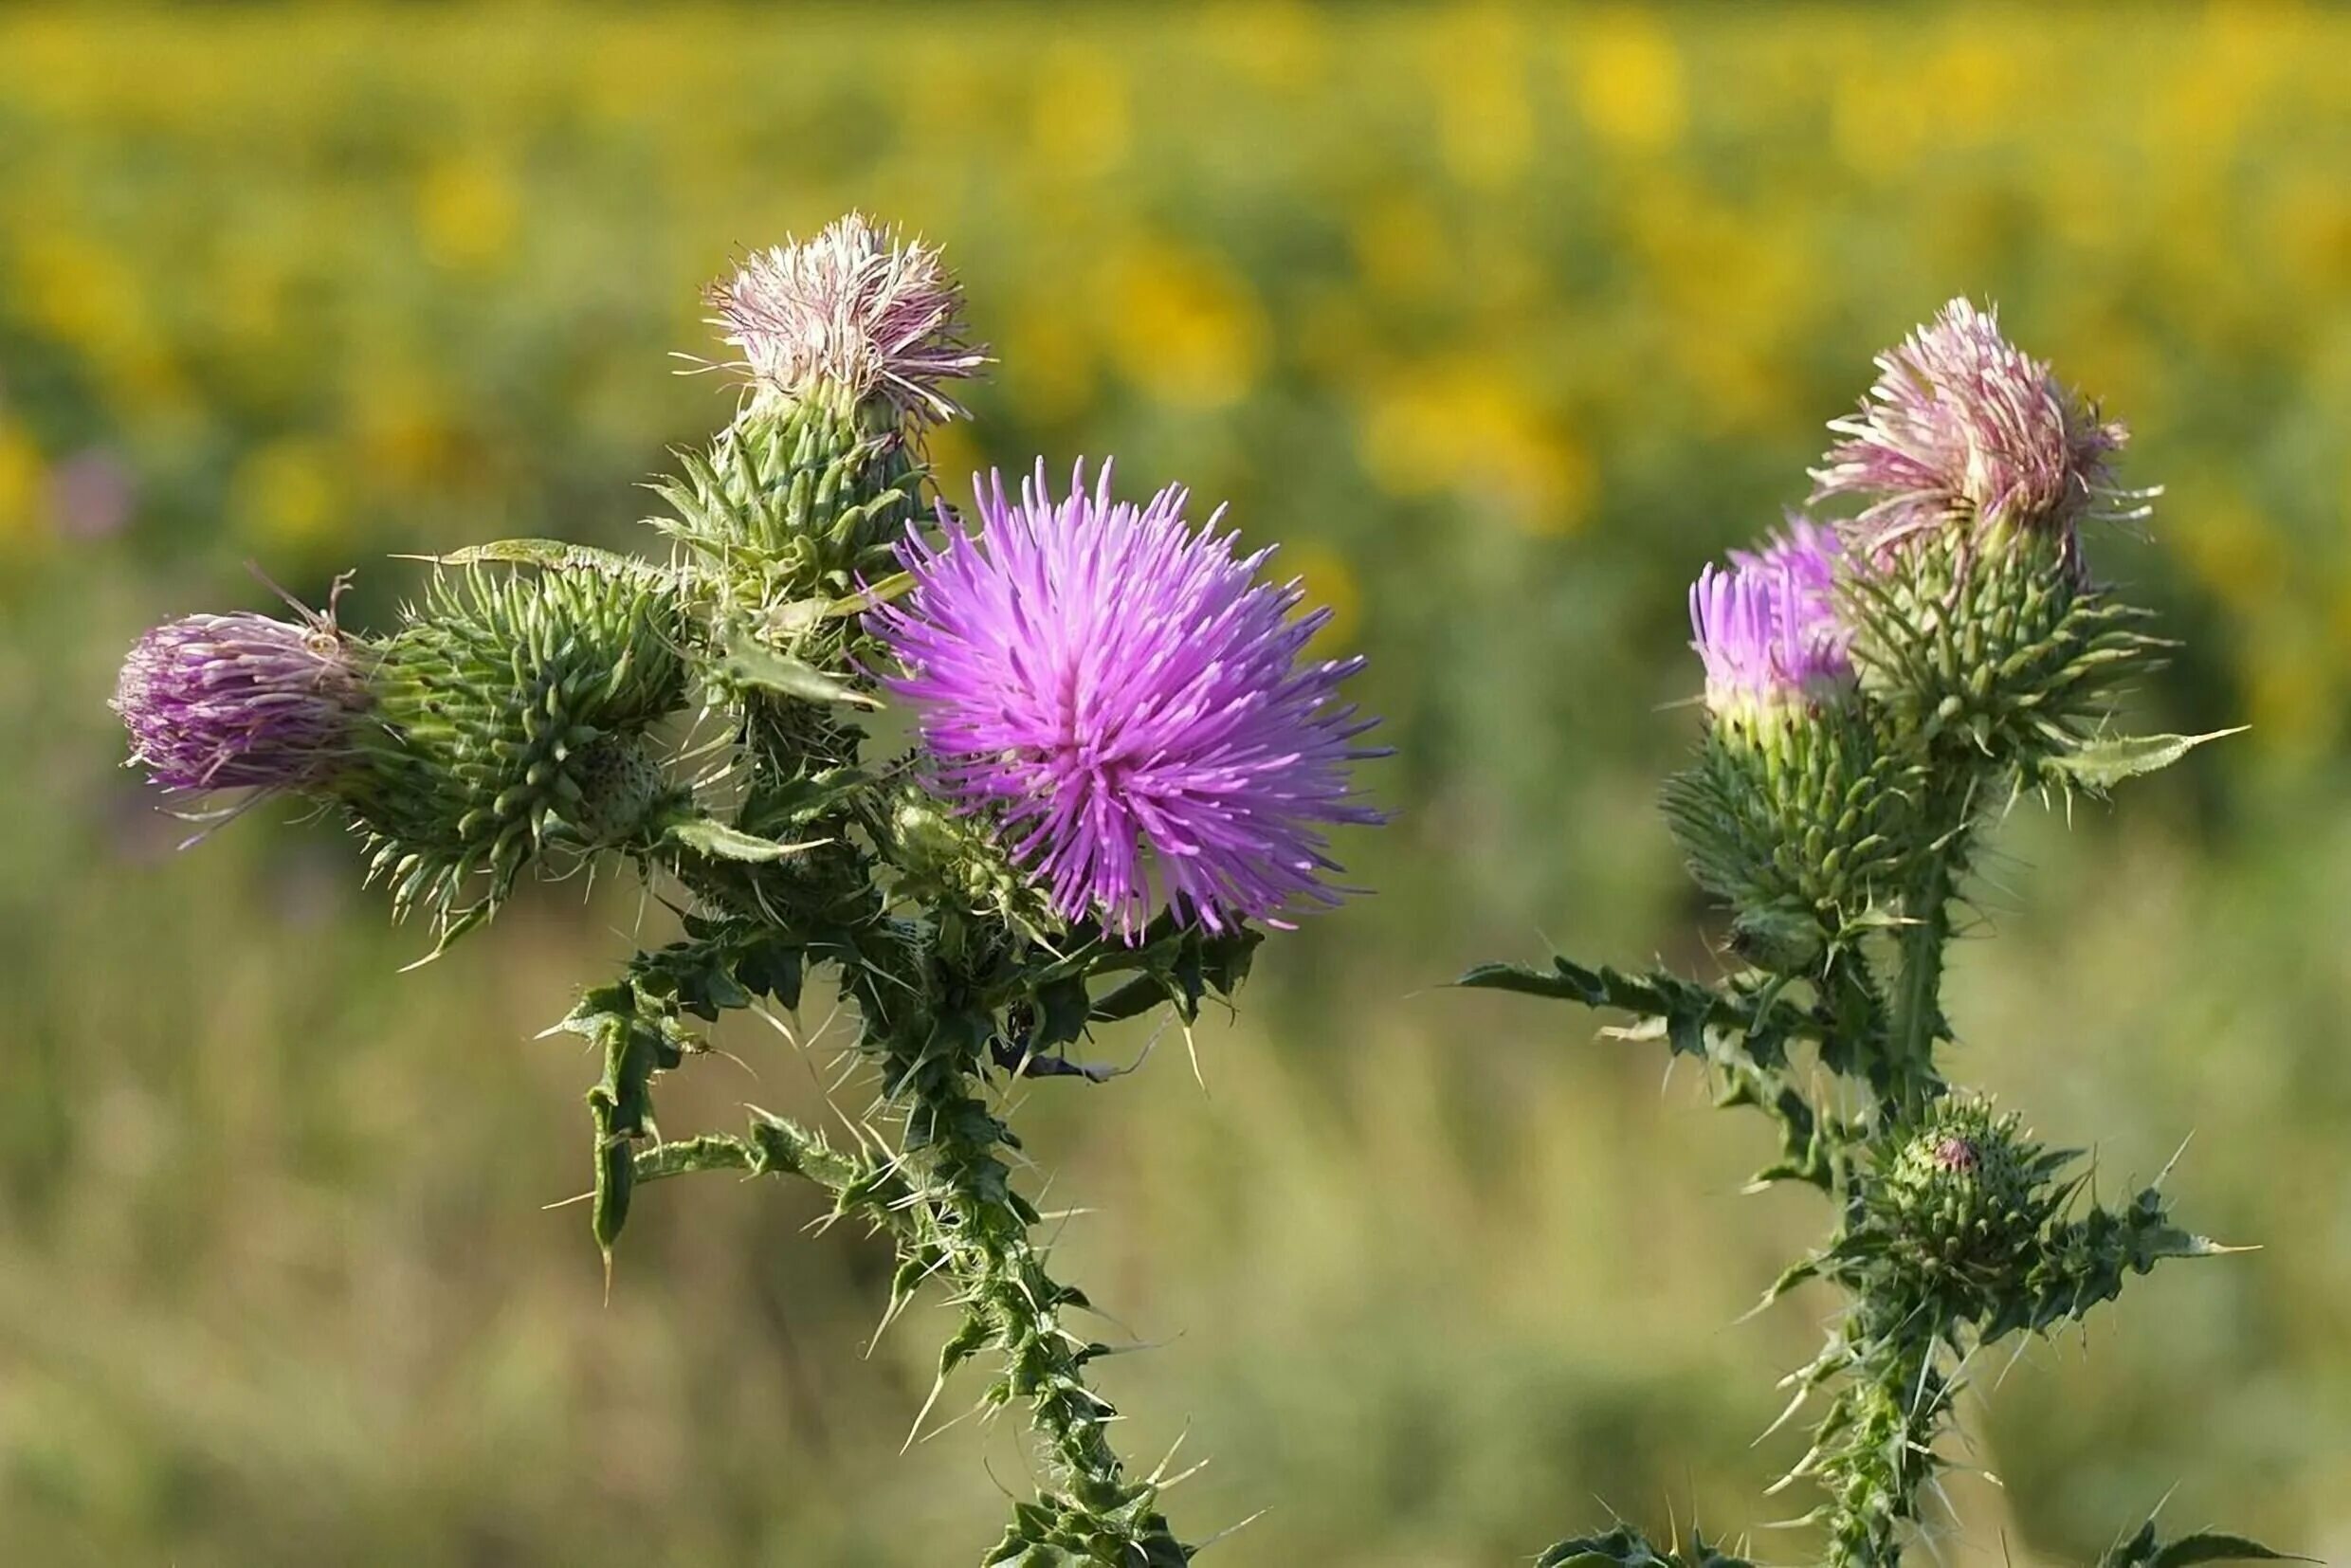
{"x":1959,"y":1194}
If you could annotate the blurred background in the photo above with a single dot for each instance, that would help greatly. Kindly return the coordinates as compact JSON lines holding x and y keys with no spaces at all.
{"x":1502,"y":321}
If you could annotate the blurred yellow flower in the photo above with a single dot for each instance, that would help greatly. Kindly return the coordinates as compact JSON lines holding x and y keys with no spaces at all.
{"x":1046,"y":360}
{"x":1183,"y":324}
{"x":1486,"y":126}
{"x":1402,"y":246}
{"x":1078,"y":120}
{"x":1330,"y":584}
{"x":466,"y":212}
{"x":19,"y":486}
{"x":284,"y":493}
{"x":1626,"y":72}
{"x":1466,"y":425}
{"x":955,"y":460}
{"x":1278,"y":44}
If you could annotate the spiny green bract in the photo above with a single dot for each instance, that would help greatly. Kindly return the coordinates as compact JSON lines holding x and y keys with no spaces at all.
{"x":794,"y":499}
{"x":1962,"y":1193}
{"x":512,"y":711}
{"x":938,"y":857}
{"x":790,"y":516}
{"x":1797,"y":820}
{"x":1990,"y":651}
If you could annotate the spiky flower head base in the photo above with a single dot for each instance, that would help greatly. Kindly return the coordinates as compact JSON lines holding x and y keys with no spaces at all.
{"x":241,"y":702}
{"x":1118,"y":690}
{"x":511,"y":709}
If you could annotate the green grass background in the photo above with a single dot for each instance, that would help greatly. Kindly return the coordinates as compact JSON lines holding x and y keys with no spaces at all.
{"x":1503,"y":320}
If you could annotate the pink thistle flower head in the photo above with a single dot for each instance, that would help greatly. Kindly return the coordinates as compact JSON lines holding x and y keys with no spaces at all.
{"x":1119,"y":691}
{"x":1767,"y":627}
{"x":1965,"y":429}
{"x":857,"y":310}
{"x":241,"y":702}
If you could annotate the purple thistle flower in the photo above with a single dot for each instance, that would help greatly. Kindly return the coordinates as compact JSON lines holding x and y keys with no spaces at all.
{"x":855,"y":309}
{"x":1962,"y":425}
{"x":1767,"y":627}
{"x":240,"y":702}
{"x":1130,"y":699}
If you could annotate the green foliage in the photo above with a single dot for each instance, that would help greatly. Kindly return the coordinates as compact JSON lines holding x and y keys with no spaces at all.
{"x":1841,"y":835}
{"x":2145,"y":1549}
{"x":1625,"y":1547}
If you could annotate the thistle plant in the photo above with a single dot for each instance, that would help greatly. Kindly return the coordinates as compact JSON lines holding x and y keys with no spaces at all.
{"x":1128,"y":757}
{"x":1883,"y":682}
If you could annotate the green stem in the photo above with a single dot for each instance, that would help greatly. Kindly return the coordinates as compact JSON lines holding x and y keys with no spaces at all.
{"x":984,"y":1232}
{"x":1879,"y":1441}
{"x":1918,"y":1020}
{"x":859,"y":1183}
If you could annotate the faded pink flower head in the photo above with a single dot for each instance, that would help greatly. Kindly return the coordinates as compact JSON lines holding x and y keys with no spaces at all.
{"x":1964,"y":429}
{"x":241,"y":702}
{"x":859,"y":309}
{"x":1133,"y":705}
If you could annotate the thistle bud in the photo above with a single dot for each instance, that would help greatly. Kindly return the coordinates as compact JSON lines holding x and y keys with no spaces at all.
{"x":1961,"y":1195}
{"x":1978,"y":629}
{"x":942,"y":856}
{"x":242,"y":702}
{"x":510,"y":715}
{"x":848,"y":342}
{"x":1789,"y":813}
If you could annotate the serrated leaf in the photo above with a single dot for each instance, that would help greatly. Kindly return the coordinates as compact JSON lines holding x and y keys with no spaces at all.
{"x":2103,"y":764}
{"x":2214,"y":1546}
{"x":705,"y":837}
{"x":2143,"y":1550}
{"x":751,"y":663}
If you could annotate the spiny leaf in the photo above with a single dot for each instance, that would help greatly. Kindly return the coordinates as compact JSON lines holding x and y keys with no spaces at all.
{"x":706,"y":836}
{"x":751,"y":663}
{"x":2143,"y":1550}
{"x":2099,"y":765}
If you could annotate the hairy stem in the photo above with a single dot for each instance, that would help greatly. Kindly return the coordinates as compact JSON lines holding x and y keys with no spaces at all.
{"x":1882,"y":1427}
{"x":859,"y":1183}
{"x":984,"y":1233}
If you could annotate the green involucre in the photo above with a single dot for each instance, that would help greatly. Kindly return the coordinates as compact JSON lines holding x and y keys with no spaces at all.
{"x":1800,"y":819}
{"x":1989,"y":653}
{"x":511,"y":713}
